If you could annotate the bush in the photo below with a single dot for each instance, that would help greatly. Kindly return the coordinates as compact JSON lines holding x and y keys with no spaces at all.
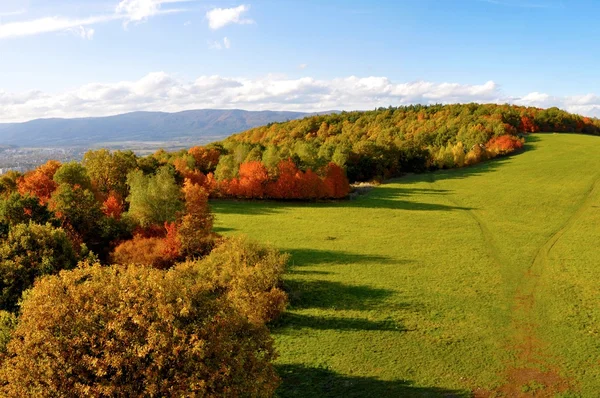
{"x":133,"y":331}
{"x":30,"y":251}
{"x":151,"y":252}
{"x":249,"y":274}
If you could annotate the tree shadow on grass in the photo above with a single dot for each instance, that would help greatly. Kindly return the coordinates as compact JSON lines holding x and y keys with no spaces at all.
{"x":307,"y":382}
{"x":290,"y":322}
{"x":246,"y":207}
{"x":302,"y":257}
{"x":333,"y":295}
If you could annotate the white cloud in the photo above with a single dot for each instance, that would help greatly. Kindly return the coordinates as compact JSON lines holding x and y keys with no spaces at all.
{"x":126,"y":10}
{"x":220,"y":17}
{"x":302,"y":66}
{"x":141,"y":10}
{"x":162,"y":92}
{"x":220,"y":45}
{"x":47,"y":25}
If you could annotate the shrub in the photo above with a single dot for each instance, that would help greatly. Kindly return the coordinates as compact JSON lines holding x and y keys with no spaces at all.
{"x":30,"y":251}
{"x":153,"y":252}
{"x":503,"y":145}
{"x":249,"y":274}
{"x":133,"y":331}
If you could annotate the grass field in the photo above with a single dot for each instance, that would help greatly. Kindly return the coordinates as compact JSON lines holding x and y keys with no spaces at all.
{"x":483,"y":280}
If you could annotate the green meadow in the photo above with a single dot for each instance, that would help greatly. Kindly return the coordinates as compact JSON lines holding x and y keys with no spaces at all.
{"x":478,"y":281}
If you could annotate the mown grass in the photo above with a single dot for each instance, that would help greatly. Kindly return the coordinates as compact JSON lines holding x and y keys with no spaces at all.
{"x":414,"y":289}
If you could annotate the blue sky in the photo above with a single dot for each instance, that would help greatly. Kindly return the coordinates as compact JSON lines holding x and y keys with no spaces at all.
{"x":66,"y":58}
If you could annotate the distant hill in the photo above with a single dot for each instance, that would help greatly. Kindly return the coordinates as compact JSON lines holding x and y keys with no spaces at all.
{"x":198,"y":125}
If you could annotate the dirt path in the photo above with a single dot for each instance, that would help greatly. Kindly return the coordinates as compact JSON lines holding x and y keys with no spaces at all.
{"x":533,"y":373}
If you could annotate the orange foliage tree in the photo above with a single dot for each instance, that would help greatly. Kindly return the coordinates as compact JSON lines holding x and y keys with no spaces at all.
{"x":503,"y":145}
{"x":206,"y":158}
{"x":39,"y":182}
{"x":113,"y":206}
{"x":336,"y":183}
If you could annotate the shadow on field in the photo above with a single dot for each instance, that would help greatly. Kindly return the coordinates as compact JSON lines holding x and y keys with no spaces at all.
{"x":246,"y":207}
{"x":302,"y":381}
{"x":391,"y":197}
{"x":333,"y":295}
{"x":302,"y":257}
{"x":290,"y":322}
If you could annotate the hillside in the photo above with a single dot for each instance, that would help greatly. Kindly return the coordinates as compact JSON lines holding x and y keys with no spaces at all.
{"x":481,"y":279}
{"x":201,"y":126}
{"x":389,"y":142}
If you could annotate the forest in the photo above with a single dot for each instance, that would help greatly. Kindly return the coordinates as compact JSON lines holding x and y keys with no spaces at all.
{"x":113,"y":282}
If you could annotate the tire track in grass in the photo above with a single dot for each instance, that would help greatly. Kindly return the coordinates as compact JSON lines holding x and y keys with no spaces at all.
{"x":533,"y":372}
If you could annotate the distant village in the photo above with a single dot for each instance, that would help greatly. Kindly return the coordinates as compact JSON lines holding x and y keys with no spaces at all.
{"x":24,"y":159}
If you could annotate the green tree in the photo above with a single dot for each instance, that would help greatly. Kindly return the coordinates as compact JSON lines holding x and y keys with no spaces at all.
{"x":17,"y":209}
{"x":108,"y":171}
{"x":154,"y":199}
{"x":30,"y":251}
{"x":73,"y":173}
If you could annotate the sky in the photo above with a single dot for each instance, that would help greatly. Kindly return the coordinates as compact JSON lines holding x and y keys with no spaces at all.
{"x":67,"y":58}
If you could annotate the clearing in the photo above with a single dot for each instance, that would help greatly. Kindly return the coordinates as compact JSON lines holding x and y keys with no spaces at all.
{"x":482,"y":280}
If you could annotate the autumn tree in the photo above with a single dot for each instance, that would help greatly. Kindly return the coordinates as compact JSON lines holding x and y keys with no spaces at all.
{"x":249,"y":274}
{"x":134,"y":331}
{"x":196,"y":225}
{"x":206,"y":159}
{"x":108,"y":171}
{"x":40,"y":182}
{"x":336,"y":183}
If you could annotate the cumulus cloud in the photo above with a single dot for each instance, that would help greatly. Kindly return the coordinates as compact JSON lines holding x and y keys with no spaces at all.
{"x":220,"y":17}
{"x":161,"y":91}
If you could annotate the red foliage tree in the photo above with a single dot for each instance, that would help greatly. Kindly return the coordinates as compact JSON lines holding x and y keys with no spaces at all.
{"x":504,"y":144}
{"x":336,"y":182}
{"x":527,"y":125}
{"x":253,"y":179}
{"x":287,"y":185}
{"x":39,"y":182}
{"x":113,"y":206}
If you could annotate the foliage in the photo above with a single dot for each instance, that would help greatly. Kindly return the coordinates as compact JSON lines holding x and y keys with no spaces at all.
{"x":8,"y":182}
{"x":30,"y":251}
{"x":39,"y":182}
{"x":18,"y":209}
{"x":154,"y":199}
{"x":134,"y":331}
{"x":8,"y":322}
{"x":74,"y":174}
{"x":78,"y":210}
{"x":194,"y":232}
{"x":148,"y":251}
{"x":249,"y":274}
{"x":388,"y":142}
{"x":108,"y":170}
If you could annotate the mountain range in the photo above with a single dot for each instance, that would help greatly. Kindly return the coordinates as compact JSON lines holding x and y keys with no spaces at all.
{"x":200,"y":126}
